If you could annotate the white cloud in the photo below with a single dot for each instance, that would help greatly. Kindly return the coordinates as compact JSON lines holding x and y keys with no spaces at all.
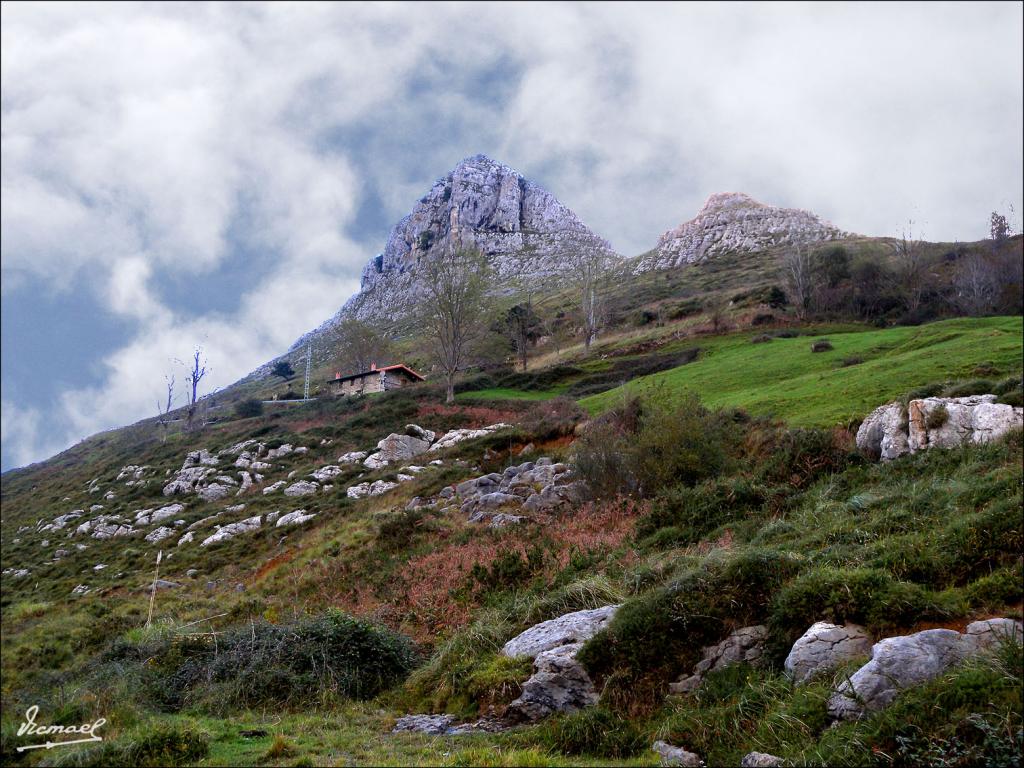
{"x":138,"y":137}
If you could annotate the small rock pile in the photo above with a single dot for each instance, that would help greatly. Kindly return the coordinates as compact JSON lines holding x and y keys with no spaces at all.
{"x":533,"y":487}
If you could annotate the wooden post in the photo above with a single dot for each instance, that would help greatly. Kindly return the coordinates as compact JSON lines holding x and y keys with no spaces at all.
{"x":152,"y":592}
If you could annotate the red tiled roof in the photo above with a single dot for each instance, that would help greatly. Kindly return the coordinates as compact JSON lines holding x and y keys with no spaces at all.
{"x":397,"y":367}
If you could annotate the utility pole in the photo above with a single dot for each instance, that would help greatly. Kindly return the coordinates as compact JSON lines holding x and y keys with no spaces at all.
{"x":309,"y":356}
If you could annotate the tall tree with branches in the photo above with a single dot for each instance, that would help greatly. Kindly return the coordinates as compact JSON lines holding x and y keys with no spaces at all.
{"x":523,"y":327}
{"x":454,"y":307}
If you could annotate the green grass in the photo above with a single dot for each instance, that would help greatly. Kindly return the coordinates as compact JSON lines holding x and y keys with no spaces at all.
{"x":785,"y":379}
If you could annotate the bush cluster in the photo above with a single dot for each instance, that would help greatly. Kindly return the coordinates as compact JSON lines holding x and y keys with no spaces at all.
{"x":330,"y":655}
{"x":642,"y":447}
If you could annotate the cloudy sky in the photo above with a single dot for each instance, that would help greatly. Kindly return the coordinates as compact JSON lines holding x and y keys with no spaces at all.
{"x":175,"y":174}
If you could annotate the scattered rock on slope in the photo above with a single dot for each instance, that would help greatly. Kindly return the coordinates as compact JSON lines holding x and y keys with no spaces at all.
{"x":824,"y":647}
{"x":559,"y":683}
{"x":744,"y":645}
{"x":900,"y":662}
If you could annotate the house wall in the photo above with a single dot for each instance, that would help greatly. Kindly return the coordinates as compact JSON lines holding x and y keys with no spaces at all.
{"x":375,"y":381}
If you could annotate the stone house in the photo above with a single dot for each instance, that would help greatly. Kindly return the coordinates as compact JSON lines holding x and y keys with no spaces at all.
{"x":375,"y":380}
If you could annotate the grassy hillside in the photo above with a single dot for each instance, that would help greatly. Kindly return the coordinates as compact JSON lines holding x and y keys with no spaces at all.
{"x":782,"y":377}
{"x":749,"y":505}
{"x":773,"y":372}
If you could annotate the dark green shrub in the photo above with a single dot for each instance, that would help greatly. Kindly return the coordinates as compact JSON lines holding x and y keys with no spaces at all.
{"x":682,"y":443}
{"x":595,"y":731}
{"x":396,"y":529}
{"x":331,"y":655}
{"x":919,"y":393}
{"x":822,"y":345}
{"x":797,"y":457}
{"x":1000,"y":588}
{"x":248,"y":409}
{"x":661,"y":633}
{"x":968,"y":388}
{"x":551,"y":419}
{"x":643,"y":447}
{"x":510,"y":569}
{"x":694,"y":512}
{"x":861,"y":596}
{"x":1008,"y":385}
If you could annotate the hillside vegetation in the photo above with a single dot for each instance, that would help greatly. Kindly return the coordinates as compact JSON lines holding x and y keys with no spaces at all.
{"x":711,"y":481}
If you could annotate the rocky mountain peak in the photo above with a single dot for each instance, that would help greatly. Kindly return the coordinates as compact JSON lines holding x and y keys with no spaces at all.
{"x":736,"y":222}
{"x":526,"y":233}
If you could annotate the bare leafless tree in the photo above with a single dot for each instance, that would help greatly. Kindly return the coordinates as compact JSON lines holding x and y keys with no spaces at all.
{"x":164,"y":409}
{"x":195,"y":375}
{"x":798,"y":271}
{"x":911,"y":270}
{"x":976,"y":283}
{"x":359,"y":345}
{"x":454,"y":307}
{"x":591,"y":270}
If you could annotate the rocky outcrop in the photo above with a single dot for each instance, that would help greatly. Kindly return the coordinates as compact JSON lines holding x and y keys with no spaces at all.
{"x":761,"y":760}
{"x":532,"y":487}
{"x":825,"y":647}
{"x":159,"y":534}
{"x":900,"y":662}
{"x":105,"y":527}
{"x":986,"y":633}
{"x":946,"y":422}
{"x":396,"y":448}
{"x":294,"y":518}
{"x":456,"y":436}
{"x":234,"y":529}
{"x":576,"y":627}
{"x":525,"y":233}
{"x":744,"y":645}
{"x":376,"y":488}
{"x":150,"y":516}
{"x":733,"y":222}
{"x":444,"y":725}
{"x":433,"y":725}
{"x":301,"y":488}
{"x":676,"y":756}
{"x":889,"y":432}
{"x":883,"y":434}
{"x":559,"y":683}
{"x":352,"y":457}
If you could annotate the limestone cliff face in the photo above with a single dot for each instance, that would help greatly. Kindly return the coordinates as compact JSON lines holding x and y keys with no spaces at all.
{"x":730,"y":222}
{"x":524,"y":231}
